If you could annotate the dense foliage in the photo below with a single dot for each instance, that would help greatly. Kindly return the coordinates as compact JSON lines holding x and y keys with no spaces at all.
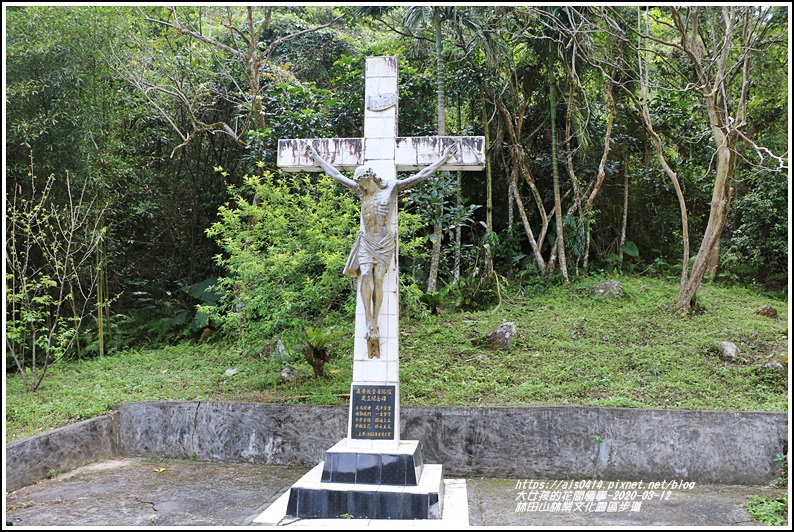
{"x":601,"y":157}
{"x":283,"y":255}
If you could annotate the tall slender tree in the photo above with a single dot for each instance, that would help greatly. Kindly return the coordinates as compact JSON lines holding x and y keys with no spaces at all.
{"x":559,"y":241}
{"x":415,"y":17}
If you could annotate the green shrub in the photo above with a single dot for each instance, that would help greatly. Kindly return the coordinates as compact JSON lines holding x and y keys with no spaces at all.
{"x":283,"y":255}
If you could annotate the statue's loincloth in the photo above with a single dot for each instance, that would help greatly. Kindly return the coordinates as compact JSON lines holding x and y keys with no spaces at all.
{"x":368,"y":250}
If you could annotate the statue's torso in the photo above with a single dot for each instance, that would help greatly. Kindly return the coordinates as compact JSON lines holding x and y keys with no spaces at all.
{"x":377,"y":210}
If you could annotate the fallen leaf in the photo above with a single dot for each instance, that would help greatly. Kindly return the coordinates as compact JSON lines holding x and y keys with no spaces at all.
{"x":160,"y":470}
{"x":333,"y":371}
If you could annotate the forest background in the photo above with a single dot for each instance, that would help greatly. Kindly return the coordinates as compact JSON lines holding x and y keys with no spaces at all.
{"x":144,"y":208}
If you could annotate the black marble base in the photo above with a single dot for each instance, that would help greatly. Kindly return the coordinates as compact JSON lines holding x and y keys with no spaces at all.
{"x":367,"y":483}
{"x":382,"y":468}
{"x":324,"y":504}
{"x":310,"y":498}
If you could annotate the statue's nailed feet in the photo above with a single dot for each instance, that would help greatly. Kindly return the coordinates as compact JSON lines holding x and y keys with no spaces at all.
{"x":373,"y":333}
{"x":373,"y":342}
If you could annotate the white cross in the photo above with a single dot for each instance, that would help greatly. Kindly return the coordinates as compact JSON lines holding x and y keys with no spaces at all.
{"x":386,"y":153}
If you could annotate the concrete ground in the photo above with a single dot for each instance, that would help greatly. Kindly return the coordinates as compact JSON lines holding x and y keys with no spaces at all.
{"x":134,"y":492}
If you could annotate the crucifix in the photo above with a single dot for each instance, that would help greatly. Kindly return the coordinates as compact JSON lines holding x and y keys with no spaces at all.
{"x":375,"y":161}
{"x":390,"y":477}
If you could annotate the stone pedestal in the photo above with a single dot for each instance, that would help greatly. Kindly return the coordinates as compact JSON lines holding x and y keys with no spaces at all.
{"x":370,"y":484}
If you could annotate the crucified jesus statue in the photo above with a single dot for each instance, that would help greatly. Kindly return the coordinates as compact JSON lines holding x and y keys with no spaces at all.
{"x":376,"y":242}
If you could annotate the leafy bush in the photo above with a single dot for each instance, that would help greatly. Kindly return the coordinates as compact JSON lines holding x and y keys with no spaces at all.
{"x":284,"y":254}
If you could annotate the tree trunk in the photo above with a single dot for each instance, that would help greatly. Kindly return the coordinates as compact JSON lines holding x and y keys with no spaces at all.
{"x":101,"y":299}
{"x":593,"y":187}
{"x":458,"y":206}
{"x":718,"y":214}
{"x":439,"y":73}
{"x":435,"y":256}
{"x":488,"y":178}
{"x":713,"y":262}
{"x":725,"y":138}
{"x":512,"y":122}
{"x":527,"y":228}
{"x":432,"y":277}
{"x":488,"y":186}
{"x":510,"y":213}
{"x":560,"y":241}
{"x":625,"y":206}
{"x":586,"y":253}
{"x":607,"y":138}
{"x":577,"y":193}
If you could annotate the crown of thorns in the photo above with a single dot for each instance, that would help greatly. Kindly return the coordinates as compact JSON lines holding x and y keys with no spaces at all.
{"x":366,"y":171}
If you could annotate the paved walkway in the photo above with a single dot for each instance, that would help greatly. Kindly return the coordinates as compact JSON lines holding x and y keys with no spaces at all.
{"x":134,"y":492}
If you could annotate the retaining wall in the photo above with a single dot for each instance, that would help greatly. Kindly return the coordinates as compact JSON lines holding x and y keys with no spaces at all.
{"x":499,"y":442}
{"x":70,"y":447}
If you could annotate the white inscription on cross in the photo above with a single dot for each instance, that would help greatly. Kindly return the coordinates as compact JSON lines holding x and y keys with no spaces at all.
{"x":386,"y":153}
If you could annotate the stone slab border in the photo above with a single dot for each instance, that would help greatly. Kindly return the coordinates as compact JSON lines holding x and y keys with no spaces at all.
{"x":555,"y":442}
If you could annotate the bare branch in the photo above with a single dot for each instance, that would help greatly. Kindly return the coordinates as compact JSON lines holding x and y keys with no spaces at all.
{"x":196,"y":35}
{"x":761,"y":150}
{"x":222,"y":127}
{"x":235,"y":30}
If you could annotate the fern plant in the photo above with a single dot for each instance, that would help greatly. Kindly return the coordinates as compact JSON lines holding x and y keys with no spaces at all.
{"x":316,"y":348}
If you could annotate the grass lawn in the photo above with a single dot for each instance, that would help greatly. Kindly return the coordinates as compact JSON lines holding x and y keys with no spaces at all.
{"x":572,"y":348}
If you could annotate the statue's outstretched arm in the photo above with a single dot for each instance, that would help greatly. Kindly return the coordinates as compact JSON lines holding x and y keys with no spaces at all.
{"x":428,"y":171}
{"x":330,"y":170}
